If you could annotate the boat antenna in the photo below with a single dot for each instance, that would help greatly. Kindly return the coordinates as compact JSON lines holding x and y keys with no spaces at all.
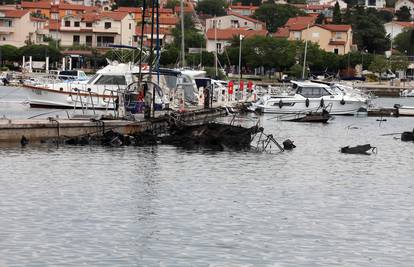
{"x":158,"y":42}
{"x":182,"y":34}
{"x":304,"y":57}
{"x":151,"y":56}
{"x":144,"y":6}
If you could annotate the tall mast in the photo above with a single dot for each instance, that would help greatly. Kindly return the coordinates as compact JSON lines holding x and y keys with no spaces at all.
{"x":182,"y":34}
{"x":304,"y":57}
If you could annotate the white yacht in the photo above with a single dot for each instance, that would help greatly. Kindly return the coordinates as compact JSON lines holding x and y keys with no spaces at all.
{"x":99,"y":92}
{"x":311,"y":97}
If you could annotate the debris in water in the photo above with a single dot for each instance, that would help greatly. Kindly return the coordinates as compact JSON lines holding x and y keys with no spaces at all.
{"x":288,"y":144}
{"x":211,"y":135}
{"x":360,"y":149}
{"x":407,"y":136}
{"x":24,"y":141}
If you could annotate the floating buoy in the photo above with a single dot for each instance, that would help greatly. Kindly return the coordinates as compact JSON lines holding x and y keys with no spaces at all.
{"x":280,"y":103}
{"x":322,"y":103}
{"x":342,"y":102}
{"x":307,"y":102}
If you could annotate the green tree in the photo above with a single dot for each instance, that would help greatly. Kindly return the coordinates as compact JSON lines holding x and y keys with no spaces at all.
{"x":379,"y":65}
{"x":296,"y":71}
{"x":276,"y":15}
{"x":172,"y":4}
{"x":248,"y":2}
{"x":296,"y":1}
{"x":404,"y":42}
{"x":320,"y":19}
{"x":211,"y":7}
{"x":369,"y":31}
{"x":337,"y":17}
{"x":351,"y":3}
{"x":39,"y":52}
{"x":403,"y":14}
{"x":169,"y":56}
{"x":128,"y":3}
{"x":8,"y":53}
{"x":399,"y":62}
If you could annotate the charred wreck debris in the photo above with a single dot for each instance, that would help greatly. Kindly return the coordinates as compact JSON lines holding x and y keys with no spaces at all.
{"x":211,"y":135}
{"x":407,"y":136}
{"x":360,"y":149}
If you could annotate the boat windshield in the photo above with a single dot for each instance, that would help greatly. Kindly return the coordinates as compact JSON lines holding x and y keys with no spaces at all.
{"x":111,"y":80}
{"x":312,"y":92}
{"x":91,"y":80}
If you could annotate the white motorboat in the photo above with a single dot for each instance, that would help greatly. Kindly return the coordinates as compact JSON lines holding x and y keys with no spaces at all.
{"x":405,"y":110}
{"x":100,"y":91}
{"x":408,"y":93}
{"x":311,"y":97}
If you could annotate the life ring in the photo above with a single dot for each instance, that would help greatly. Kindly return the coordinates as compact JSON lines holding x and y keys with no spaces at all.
{"x":342,"y":102}
{"x":322,"y":103}
{"x":280,"y":103}
{"x":307,"y":102}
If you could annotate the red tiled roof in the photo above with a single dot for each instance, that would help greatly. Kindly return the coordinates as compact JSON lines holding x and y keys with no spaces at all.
{"x":147,"y":30}
{"x":168,"y":20}
{"x":65,"y":6}
{"x":241,"y":7}
{"x":14,"y":13}
{"x":37,"y":19}
{"x":298,"y":27}
{"x":245,"y":17}
{"x":405,"y":24}
{"x":41,"y":4}
{"x":336,"y":27}
{"x":227,"y":34}
{"x":129,"y":9}
{"x":54,"y":25}
{"x":301,"y":20}
{"x":282,"y":32}
{"x":316,"y":7}
{"x":333,"y":42}
{"x":91,"y":17}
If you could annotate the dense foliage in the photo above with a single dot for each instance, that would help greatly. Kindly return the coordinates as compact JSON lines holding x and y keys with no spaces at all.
{"x":211,"y":7}
{"x":276,"y":15}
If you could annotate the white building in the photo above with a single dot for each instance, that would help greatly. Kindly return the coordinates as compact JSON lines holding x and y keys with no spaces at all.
{"x":408,"y":3}
{"x":234,"y":20}
{"x":96,"y":29}
{"x":394,"y":28}
{"x":374,"y":3}
{"x":18,"y":28}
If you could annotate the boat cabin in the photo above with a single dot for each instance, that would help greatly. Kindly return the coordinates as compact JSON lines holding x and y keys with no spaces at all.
{"x":311,"y":90}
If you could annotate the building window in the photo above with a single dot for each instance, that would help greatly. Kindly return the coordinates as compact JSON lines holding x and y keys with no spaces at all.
{"x":107,"y":25}
{"x":76,"y":39}
{"x":130,"y":26}
{"x":315,"y":35}
{"x":234,"y":23}
{"x":372,"y":2}
{"x":104,"y":41}
{"x":4,"y":38}
{"x":336,"y":50}
{"x":338,"y":35}
{"x":89,"y":24}
{"x":297,"y":35}
{"x":68,"y":12}
{"x":219,"y":47}
{"x":77,"y":24}
{"x":55,"y":16}
{"x":89,"y":40}
{"x":67,"y":23}
{"x":9,"y":23}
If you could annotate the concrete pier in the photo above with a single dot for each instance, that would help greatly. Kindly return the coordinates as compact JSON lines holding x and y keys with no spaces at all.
{"x":43,"y":129}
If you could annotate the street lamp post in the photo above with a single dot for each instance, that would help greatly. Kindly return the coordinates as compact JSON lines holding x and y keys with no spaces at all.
{"x":240,"y":53}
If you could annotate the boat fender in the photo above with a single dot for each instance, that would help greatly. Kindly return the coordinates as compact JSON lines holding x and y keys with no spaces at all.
{"x":342,"y":102}
{"x":89,"y":90}
{"x":24,"y":141}
{"x":61,"y":88}
{"x":322,"y":103}
{"x":307,"y":102}
{"x":280,"y":103}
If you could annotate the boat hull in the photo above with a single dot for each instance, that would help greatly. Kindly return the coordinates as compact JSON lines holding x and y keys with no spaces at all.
{"x":406,"y":111}
{"x":50,"y":98}
{"x":335,"y":107}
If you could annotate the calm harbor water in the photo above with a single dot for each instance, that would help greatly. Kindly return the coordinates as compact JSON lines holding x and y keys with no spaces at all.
{"x":164,"y":206}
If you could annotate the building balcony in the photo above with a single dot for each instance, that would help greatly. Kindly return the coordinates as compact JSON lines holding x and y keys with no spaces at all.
{"x":6,"y":29}
{"x":116,"y":30}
